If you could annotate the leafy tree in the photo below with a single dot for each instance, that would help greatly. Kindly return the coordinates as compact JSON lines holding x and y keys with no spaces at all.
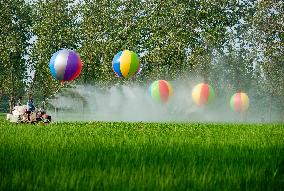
{"x":54,"y":28}
{"x":220,"y":20}
{"x":269,"y":23}
{"x":14,"y":35}
{"x":170,"y":36}
{"x":106,"y":28}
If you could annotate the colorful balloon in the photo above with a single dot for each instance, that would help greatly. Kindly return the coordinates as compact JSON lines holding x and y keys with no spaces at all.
{"x":126,"y":64}
{"x":161,"y":91}
{"x":239,"y":102}
{"x":202,"y":94}
{"x":65,"y":65}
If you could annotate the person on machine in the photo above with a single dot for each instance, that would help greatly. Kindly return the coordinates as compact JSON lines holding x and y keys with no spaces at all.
{"x":30,"y":106}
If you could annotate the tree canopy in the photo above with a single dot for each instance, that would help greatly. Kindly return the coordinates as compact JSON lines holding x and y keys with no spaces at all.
{"x":234,"y":45}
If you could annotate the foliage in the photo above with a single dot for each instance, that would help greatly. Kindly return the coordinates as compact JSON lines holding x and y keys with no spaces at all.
{"x":234,"y":45}
{"x":54,"y":28}
{"x":268,"y":22}
{"x":15,"y":24}
{"x":168,"y":40}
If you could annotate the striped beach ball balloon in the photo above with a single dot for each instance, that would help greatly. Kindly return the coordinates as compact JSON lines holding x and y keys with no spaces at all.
{"x":65,"y":65}
{"x":202,"y":94}
{"x":126,"y":64}
{"x":161,"y":91}
{"x":239,"y":102}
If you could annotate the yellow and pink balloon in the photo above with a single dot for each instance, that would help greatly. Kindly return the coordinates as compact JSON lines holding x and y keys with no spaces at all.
{"x":239,"y":102}
{"x":203,"y":94}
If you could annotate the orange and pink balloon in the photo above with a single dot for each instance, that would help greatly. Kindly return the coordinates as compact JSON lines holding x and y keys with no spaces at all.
{"x":161,"y":91}
{"x":202,"y":94}
{"x":239,"y":102}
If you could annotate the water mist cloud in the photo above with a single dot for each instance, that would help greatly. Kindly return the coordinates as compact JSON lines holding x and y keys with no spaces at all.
{"x":133,"y":103}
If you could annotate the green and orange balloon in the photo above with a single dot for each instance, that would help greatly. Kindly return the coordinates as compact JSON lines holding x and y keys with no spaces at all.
{"x":239,"y":102}
{"x":202,"y":94}
{"x":161,"y":91}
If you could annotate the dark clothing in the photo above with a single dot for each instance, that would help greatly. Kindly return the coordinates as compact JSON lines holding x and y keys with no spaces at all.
{"x":30,"y":105}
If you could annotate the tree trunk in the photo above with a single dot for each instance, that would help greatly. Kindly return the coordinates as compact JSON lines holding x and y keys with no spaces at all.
{"x":10,"y":106}
{"x":270,"y":107}
{"x":12,"y":93}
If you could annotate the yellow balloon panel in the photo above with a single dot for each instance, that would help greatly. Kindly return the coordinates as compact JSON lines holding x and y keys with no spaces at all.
{"x":196,"y":93}
{"x":125,"y":61}
{"x":245,"y":101}
{"x":170,"y":88}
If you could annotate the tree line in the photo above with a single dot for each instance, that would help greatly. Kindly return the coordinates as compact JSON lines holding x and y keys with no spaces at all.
{"x":233,"y":45}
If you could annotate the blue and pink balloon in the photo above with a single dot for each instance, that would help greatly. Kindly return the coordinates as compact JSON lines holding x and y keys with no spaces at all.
{"x":65,"y":65}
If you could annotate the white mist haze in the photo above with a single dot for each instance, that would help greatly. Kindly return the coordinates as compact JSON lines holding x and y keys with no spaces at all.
{"x":133,"y":103}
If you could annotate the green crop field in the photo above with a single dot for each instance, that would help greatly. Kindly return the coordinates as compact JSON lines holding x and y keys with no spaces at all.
{"x":141,"y":156}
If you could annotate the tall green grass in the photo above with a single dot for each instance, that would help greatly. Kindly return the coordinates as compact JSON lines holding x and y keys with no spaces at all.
{"x":141,"y":156}
{"x":2,"y":116}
